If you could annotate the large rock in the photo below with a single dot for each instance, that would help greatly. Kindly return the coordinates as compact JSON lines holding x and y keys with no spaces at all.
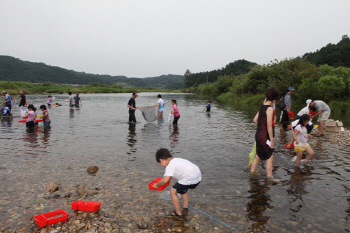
{"x":52,"y":187}
{"x":92,"y":170}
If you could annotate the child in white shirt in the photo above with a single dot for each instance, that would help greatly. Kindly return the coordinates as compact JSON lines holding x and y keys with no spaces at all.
{"x":301,"y":138}
{"x":188,"y":176}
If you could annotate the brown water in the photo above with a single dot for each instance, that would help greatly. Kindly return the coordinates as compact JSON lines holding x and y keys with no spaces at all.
{"x":312,"y":199}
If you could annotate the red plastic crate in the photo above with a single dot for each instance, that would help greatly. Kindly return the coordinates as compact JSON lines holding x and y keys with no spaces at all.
{"x":150,"y":185}
{"x":85,"y":205}
{"x":287,"y":146}
{"x":51,"y":218}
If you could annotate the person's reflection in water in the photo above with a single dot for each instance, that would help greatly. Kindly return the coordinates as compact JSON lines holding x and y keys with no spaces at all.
{"x":174,"y":136}
{"x":297,"y":183}
{"x":46,"y":135}
{"x":6,"y":123}
{"x":31,"y":136}
{"x":259,"y":202}
{"x":71,"y":113}
{"x":131,"y":141}
{"x":208,"y":114}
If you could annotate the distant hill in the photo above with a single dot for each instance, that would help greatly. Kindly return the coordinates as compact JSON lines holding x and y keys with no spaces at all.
{"x":14,"y":69}
{"x":234,"y":68}
{"x":332,"y":54}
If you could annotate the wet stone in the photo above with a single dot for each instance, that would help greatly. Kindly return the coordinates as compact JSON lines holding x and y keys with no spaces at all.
{"x":52,"y":187}
{"x":92,"y":170}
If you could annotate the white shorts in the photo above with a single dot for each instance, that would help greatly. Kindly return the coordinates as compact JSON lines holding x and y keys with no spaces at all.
{"x":161,"y":110}
{"x":324,"y":116}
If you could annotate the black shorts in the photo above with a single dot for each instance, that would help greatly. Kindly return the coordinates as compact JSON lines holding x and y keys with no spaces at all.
{"x":182,"y":189}
{"x":285,"y":116}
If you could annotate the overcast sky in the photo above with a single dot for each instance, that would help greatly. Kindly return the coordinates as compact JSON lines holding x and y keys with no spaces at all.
{"x":142,"y":38}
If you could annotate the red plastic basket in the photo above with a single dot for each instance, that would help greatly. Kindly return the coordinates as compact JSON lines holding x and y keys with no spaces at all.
{"x":291,"y":115}
{"x":51,"y":218}
{"x":150,"y":185}
{"x":85,"y":205}
{"x":22,"y":121}
{"x":287,"y":146}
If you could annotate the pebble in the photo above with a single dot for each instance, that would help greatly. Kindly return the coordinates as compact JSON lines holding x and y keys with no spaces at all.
{"x":92,"y":170}
{"x":52,"y":187}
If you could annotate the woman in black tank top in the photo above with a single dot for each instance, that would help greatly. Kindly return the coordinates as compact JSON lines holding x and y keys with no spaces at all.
{"x":264,"y":133}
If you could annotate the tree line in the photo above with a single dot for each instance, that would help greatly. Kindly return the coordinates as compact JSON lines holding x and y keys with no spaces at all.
{"x":14,"y":69}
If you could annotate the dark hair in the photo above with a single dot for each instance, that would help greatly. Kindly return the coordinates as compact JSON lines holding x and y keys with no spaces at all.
{"x":271,"y":94}
{"x":43,"y":107}
{"x":285,"y":125}
{"x":159,"y":96}
{"x":69,"y":92}
{"x":8,"y":105}
{"x":313,"y":108}
{"x":163,"y":153}
{"x":209,"y":101}
{"x":173,"y":101}
{"x":303,"y":119}
{"x":31,"y":106}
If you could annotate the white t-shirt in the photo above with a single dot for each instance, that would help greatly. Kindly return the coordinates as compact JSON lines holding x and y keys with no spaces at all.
{"x":161,"y":103}
{"x":184,"y":171}
{"x":302,"y":135}
{"x":304,"y":111}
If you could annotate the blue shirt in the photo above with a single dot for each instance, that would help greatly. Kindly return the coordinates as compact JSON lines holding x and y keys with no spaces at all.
{"x":8,"y":98}
{"x":5,"y":111}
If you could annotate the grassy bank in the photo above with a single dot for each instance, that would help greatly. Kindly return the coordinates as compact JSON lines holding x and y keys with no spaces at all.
{"x":13,"y":88}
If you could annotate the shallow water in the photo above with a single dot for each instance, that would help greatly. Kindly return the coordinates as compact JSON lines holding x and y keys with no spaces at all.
{"x":313,"y":199}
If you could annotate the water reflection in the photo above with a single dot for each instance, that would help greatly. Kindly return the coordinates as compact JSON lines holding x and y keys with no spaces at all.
{"x":174,"y":137}
{"x":31,"y":136}
{"x":6,"y":123}
{"x":208,"y":114}
{"x":131,"y":141}
{"x":259,"y":202}
{"x":297,"y":184}
{"x":46,"y":135}
{"x":71,"y":112}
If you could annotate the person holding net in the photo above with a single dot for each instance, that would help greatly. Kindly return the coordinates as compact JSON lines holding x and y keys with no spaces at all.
{"x":132,"y":107}
{"x":160,"y":106}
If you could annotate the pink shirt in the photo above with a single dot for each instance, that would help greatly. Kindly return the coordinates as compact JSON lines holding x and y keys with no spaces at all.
{"x":31,"y":116}
{"x":176,"y":114}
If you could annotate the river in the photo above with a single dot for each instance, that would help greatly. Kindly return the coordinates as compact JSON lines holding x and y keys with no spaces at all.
{"x":313,"y":199}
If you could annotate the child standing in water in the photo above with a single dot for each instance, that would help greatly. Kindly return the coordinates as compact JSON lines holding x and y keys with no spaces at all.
{"x":49,"y":100}
{"x":264,"y":134}
{"x":188,"y":176}
{"x":175,"y":112}
{"x":301,"y":138}
{"x":71,"y":100}
{"x":30,"y":116}
{"x":208,"y":107}
{"x":46,"y":119}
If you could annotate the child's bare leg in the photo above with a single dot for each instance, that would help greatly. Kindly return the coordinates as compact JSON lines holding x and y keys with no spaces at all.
{"x":176,"y":201}
{"x":299,"y":156}
{"x":310,"y":153}
{"x":269,"y":165}
{"x":255,"y":164}
{"x":185,"y":199}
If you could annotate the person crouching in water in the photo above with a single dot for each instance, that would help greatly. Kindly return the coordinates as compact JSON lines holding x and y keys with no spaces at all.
{"x":46,"y":119}
{"x":301,"y":138}
{"x":30,"y":116}
{"x":188,"y":176}
{"x":264,"y":134}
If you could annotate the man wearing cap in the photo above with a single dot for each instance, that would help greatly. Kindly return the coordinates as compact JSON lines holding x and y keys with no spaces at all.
{"x":288,"y":103}
{"x":322,"y":111}
{"x":132,"y":107}
{"x":8,"y":100}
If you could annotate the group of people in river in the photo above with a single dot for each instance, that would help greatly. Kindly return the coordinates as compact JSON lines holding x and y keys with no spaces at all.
{"x":265,"y":120}
{"x":175,"y":110}
{"x":188,"y":175}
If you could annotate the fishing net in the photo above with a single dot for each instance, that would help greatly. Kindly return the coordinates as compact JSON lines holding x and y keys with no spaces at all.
{"x":149,"y":113}
{"x":167,"y":196}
